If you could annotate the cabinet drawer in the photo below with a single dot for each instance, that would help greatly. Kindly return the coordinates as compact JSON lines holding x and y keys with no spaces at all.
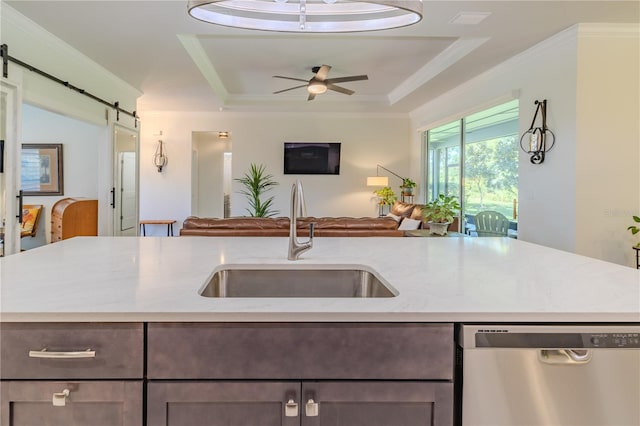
{"x":109,"y":403}
{"x":29,"y":350}
{"x":402,"y":351}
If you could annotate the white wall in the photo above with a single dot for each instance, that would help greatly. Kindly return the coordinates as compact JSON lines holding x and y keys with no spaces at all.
{"x":258,"y":138}
{"x":608,"y":143}
{"x":80,"y":142}
{"x":551,"y":195}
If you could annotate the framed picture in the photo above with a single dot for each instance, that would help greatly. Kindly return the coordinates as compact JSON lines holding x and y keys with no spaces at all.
{"x":41,"y":169}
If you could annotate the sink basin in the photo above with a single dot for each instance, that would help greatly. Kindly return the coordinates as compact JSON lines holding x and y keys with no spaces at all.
{"x":242,"y":282}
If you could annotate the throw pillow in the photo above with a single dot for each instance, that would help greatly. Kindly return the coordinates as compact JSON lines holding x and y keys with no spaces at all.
{"x":409,"y":224}
{"x":417,"y":212}
{"x":402,"y":209}
{"x":395,"y":217}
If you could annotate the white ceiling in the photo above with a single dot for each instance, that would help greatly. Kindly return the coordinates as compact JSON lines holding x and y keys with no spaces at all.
{"x":180,"y":63}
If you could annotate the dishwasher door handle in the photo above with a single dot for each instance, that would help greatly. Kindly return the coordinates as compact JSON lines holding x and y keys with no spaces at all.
{"x":564,"y":356}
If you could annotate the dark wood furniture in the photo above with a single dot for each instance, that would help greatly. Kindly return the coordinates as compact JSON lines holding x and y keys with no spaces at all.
{"x":72,"y":217}
{"x":71,"y":374}
{"x":304,"y":374}
{"x":268,"y":374}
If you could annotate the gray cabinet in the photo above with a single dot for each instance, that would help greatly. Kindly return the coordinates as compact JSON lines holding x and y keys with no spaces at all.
{"x":338,"y":374}
{"x":103,"y":403}
{"x":222,"y":403}
{"x":377,"y":403}
{"x":273,"y":403}
{"x":72,"y":374}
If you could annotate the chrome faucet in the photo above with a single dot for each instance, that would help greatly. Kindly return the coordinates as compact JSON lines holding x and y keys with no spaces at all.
{"x":296,"y":248}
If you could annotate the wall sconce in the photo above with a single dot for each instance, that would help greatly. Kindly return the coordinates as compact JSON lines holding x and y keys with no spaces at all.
{"x":223,"y":135}
{"x":536,"y":137}
{"x":159,"y":157}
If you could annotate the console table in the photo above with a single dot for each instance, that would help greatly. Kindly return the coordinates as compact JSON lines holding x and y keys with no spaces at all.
{"x":169,"y":224}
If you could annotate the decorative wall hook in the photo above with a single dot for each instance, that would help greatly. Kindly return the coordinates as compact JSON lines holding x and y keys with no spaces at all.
{"x":159,"y":157}
{"x":536,"y":138}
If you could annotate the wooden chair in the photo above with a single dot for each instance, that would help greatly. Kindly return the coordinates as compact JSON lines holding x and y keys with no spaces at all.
{"x":491,"y":224}
{"x":30,"y":217}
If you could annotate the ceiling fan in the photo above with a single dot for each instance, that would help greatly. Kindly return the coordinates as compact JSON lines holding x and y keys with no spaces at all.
{"x":319,"y":83}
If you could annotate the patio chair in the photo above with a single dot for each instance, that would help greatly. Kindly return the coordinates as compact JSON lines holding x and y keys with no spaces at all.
{"x":491,"y":224}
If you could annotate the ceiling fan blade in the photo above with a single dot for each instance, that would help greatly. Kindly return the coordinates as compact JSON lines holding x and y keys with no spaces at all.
{"x":344,"y":79}
{"x":311,"y":97}
{"x":290,"y":78}
{"x":339,"y":89}
{"x":290,"y":88}
{"x":323,"y":72}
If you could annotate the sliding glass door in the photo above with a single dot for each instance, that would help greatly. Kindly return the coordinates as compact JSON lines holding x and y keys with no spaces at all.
{"x":476,"y":159}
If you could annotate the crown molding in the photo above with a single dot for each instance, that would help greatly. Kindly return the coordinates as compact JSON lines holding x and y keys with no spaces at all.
{"x":606,"y":30}
{"x":452,"y":54}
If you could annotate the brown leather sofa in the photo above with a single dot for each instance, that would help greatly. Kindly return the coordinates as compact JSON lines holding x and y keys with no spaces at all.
{"x":279,"y":227}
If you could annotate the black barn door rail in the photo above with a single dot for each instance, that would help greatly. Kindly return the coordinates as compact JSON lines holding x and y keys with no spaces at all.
{"x":4,"y":52}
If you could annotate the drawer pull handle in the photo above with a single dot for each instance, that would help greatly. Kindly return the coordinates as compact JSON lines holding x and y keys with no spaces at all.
{"x":60,"y":398}
{"x":311,"y":408}
{"x":62,"y":355}
{"x":291,"y":409}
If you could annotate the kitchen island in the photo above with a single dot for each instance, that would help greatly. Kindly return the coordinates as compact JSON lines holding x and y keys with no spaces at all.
{"x":437,"y":279}
{"x":115,"y":330}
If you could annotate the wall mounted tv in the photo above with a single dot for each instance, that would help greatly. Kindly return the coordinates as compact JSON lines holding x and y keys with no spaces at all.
{"x":311,"y":158}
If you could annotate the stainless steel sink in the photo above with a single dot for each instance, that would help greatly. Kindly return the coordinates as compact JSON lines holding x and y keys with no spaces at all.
{"x":241,"y":282}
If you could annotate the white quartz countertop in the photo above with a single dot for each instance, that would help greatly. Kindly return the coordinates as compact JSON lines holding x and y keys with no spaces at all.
{"x":438,"y":279}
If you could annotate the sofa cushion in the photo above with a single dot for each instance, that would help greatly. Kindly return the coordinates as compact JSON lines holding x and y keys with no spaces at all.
{"x":193,"y":222}
{"x":366,"y":223}
{"x":402,"y":209}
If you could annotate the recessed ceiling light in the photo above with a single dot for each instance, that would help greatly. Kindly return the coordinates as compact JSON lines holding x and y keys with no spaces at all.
{"x":469,"y":18}
{"x":313,"y":16}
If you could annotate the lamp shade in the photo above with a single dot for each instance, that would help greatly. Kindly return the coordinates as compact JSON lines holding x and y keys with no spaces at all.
{"x":377,"y":181}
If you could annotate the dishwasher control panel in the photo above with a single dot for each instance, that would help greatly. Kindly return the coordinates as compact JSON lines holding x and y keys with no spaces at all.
{"x":551,"y":337}
{"x":614,"y":340}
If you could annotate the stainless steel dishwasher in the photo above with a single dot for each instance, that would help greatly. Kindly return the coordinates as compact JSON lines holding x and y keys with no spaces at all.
{"x":530,"y":375}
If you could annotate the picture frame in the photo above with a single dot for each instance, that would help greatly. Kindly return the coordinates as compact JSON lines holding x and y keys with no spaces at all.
{"x":41,"y":170}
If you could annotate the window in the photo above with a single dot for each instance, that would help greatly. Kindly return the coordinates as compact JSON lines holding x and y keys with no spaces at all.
{"x":485,"y":176}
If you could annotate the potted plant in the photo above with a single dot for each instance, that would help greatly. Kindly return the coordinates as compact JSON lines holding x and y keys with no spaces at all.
{"x":386,"y":197}
{"x":440,"y":212}
{"x":256,"y":182}
{"x":407,"y":186}
{"x":635,"y":228}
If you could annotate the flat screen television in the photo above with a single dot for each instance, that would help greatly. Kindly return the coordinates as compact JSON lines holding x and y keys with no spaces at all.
{"x":311,"y":158}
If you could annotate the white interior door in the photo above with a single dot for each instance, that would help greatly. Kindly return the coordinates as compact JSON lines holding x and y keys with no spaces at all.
{"x":128,"y":199}
{"x":125,"y":186}
{"x":10,"y":107}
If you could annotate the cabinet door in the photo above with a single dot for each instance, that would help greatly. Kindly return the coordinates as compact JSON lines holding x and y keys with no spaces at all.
{"x":222,"y":403}
{"x":377,"y":404}
{"x":112,"y":403}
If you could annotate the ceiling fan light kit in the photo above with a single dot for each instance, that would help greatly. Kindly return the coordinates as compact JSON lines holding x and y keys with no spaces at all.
{"x":317,"y":87}
{"x":312,"y":16}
